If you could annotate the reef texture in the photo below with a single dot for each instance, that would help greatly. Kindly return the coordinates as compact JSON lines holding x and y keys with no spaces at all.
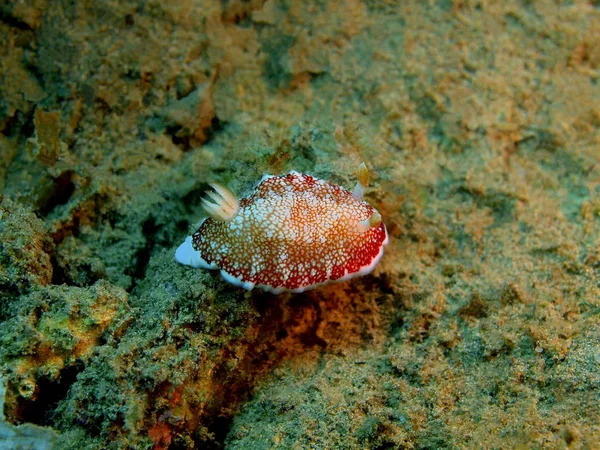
{"x":480,"y":123}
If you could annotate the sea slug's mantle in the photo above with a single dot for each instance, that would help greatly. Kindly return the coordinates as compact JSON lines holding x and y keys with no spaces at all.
{"x":293,"y":233}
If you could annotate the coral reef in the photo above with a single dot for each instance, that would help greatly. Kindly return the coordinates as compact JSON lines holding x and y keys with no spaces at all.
{"x":479,"y":326}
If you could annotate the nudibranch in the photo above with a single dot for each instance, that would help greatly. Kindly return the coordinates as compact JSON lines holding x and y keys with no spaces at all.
{"x":293,"y":233}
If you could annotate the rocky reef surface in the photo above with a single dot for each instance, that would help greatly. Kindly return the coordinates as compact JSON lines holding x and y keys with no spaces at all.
{"x":480,"y":124}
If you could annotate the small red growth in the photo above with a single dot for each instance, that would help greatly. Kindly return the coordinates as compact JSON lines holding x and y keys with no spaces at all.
{"x":161,"y":435}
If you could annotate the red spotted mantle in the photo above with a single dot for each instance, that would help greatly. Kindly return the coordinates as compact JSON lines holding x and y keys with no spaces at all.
{"x":293,"y":233}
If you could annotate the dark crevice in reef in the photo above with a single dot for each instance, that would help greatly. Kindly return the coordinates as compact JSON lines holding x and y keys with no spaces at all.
{"x":178,"y":138}
{"x":142,"y":257}
{"x":13,"y":22}
{"x":19,"y":125}
{"x":41,"y":410}
{"x":220,"y":427}
{"x":185,"y":140}
{"x":9,"y":292}
{"x":138,"y":271}
{"x":58,"y":273}
{"x":216,"y":125}
{"x":156,"y":235}
{"x":60,"y":192}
